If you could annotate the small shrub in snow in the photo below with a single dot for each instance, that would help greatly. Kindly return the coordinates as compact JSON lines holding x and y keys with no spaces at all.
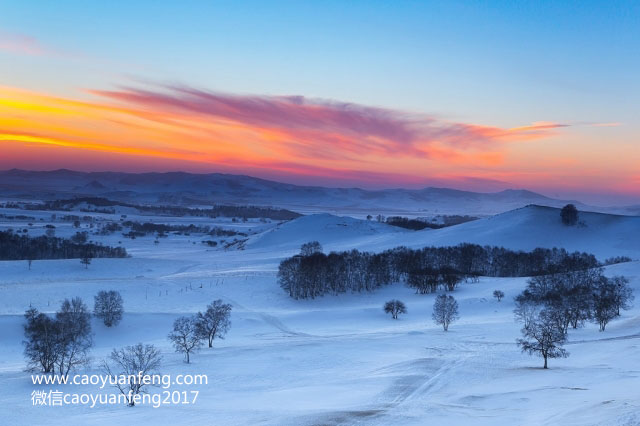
{"x":498,"y":294}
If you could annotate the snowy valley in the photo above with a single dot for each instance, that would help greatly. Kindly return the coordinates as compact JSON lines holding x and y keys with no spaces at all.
{"x":332,"y":360}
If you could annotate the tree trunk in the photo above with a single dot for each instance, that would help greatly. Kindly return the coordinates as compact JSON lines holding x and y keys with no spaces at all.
{"x":545,"y":361}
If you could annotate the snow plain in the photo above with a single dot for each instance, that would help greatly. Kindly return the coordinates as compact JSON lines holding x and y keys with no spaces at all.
{"x":337,"y":360}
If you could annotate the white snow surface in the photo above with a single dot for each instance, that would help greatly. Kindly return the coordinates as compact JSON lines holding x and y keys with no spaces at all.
{"x":526,"y":228}
{"x":336,"y":360}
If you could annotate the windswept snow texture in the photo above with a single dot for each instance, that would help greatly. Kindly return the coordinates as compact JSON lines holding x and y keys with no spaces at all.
{"x":336,"y":360}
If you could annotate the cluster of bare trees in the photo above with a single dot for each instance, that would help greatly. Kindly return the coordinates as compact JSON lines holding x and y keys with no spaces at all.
{"x":61,"y":343}
{"x":189,"y":332}
{"x":317,"y":274}
{"x":429,"y":280}
{"x":58,"y":344}
{"x":312,"y":273}
{"x":445,"y":310}
{"x":214,"y":211}
{"x":23,"y":247}
{"x":551,"y":304}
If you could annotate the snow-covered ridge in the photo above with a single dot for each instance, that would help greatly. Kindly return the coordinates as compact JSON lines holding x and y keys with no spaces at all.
{"x":526,"y":228}
{"x":205,"y":189}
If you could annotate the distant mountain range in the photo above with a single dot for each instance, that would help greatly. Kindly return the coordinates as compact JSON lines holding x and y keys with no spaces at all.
{"x":188,"y":189}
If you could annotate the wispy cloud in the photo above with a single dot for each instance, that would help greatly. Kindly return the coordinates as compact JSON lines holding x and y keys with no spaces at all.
{"x":321,"y":127}
{"x":313,"y":140}
{"x":22,"y":44}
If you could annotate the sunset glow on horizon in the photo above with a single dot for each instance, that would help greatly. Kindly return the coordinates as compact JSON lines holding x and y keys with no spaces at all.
{"x":62,"y":106}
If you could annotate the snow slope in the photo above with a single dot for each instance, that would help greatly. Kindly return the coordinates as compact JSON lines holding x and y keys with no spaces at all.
{"x":335,"y":360}
{"x":334,"y":232}
{"x":604,"y":235}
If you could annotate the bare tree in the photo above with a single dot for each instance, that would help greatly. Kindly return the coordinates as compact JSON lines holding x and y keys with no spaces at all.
{"x":395,"y":307}
{"x":445,"y":311}
{"x":450,"y":278}
{"x":80,"y":237}
{"x":108,"y":307}
{"x":498,"y":294}
{"x":214,"y":322}
{"x":310,"y":248}
{"x":41,"y":344}
{"x":623,"y":295}
{"x":604,"y":302}
{"x":543,"y":336}
{"x":75,"y":340}
{"x":86,"y":260}
{"x":526,"y":310}
{"x":424,"y":280}
{"x":184,"y":336}
{"x":131,"y":368}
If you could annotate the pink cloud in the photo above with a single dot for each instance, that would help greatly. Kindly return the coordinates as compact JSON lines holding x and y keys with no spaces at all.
{"x":314,"y":127}
{"x":22,"y":44}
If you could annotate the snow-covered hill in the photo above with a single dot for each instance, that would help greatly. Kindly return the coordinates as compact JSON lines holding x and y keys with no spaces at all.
{"x":604,"y":235}
{"x":336,"y":360}
{"x":334,"y":232}
{"x":534,"y":226}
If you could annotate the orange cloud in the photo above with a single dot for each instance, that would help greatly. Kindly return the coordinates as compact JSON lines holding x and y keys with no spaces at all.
{"x":263,"y":135}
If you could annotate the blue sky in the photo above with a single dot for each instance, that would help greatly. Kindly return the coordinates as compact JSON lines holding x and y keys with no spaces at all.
{"x":503,"y":64}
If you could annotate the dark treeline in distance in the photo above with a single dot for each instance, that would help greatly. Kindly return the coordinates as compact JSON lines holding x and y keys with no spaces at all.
{"x":247,"y":212}
{"x":419,"y":224}
{"x":426,"y":269}
{"x":141,"y":229}
{"x":22,"y":247}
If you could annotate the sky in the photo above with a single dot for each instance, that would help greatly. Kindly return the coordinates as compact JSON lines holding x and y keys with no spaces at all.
{"x":475,"y":95}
